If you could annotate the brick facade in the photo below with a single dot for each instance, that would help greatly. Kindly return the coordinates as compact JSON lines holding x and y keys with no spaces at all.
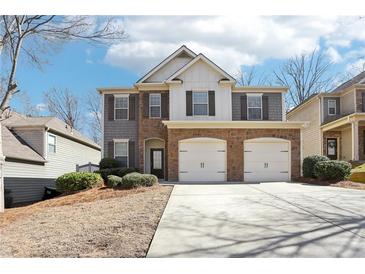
{"x":149,"y":128}
{"x":234,"y":138}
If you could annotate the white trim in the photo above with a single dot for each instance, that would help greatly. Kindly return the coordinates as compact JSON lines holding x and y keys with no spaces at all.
{"x":200,"y":91}
{"x":248,"y":113}
{"x":328,"y":107}
{"x":355,"y":140}
{"x":168,"y":59}
{"x":116,"y":96}
{"x":235,"y":124}
{"x":55,"y":143}
{"x":149,"y":105}
{"x":192,"y":62}
{"x":116,"y":141}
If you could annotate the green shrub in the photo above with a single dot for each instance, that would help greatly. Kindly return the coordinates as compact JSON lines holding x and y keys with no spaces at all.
{"x":108,"y":163}
{"x":119,"y":171}
{"x":309,"y":163}
{"x":114,"y":181}
{"x":332,"y":170}
{"x":74,"y":181}
{"x":136,"y":179}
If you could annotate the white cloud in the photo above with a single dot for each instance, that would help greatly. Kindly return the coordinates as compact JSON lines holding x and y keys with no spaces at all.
{"x":333,"y":55}
{"x":229,"y":41}
{"x":356,"y":67}
{"x":41,"y":107}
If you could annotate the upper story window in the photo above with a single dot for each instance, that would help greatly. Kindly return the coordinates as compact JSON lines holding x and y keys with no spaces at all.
{"x":121,"y":152}
{"x":254,"y":106}
{"x":51,"y":143}
{"x":121,"y":106}
{"x":155,"y":105}
{"x":331,"y":107}
{"x":200,"y":103}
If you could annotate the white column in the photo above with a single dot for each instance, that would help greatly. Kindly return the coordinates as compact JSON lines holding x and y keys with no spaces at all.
{"x":355,"y":140}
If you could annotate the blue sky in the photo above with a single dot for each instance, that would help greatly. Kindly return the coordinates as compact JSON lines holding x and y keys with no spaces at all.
{"x":263,"y":42}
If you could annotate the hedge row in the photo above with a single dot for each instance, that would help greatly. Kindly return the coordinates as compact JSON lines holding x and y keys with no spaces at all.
{"x":131,"y":180}
{"x":321,"y":167}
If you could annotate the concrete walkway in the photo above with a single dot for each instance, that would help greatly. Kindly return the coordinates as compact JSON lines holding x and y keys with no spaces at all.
{"x":261,"y":220}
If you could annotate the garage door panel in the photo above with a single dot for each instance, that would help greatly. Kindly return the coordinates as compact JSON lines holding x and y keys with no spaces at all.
{"x":202,"y":161}
{"x":266,"y":161}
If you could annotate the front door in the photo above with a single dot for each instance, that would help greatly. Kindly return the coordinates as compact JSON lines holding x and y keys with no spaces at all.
{"x":157,"y":162}
{"x":332,"y":148}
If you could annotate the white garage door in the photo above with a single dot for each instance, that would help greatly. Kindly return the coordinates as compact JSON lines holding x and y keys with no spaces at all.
{"x":202,"y":160}
{"x":266,"y":160}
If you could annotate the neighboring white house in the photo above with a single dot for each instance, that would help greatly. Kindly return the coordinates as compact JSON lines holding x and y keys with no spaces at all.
{"x":39,"y":149}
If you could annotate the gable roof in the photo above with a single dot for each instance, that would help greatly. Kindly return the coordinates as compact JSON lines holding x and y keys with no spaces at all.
{"x":54,"y":124}
{"x":16,"y":148}
{"x":207,"y":61}
{"x":182,"y":49}
{"x":354,"y":80}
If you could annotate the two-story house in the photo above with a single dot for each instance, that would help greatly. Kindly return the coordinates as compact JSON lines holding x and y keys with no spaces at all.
{"x":39,"y":149}
{"x":336,"y":121}
{"x":186,"y":120}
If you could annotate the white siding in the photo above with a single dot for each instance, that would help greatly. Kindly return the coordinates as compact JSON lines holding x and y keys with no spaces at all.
{"x":170,"y":68}
{"x":311,"y":135}
{"x":68,"y":154}
{"x":200,"y":76}
{"x":348,"y":103}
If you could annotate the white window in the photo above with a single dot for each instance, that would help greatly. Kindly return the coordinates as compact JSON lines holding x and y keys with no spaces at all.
{"x":51,"y":143}
{"x":331,"y":107}
{"x":121,"y":152}
{"x":121,"y":104}
{"x":155,"y":105}
{"x":254,"y":107}
{"x":200,"y":103}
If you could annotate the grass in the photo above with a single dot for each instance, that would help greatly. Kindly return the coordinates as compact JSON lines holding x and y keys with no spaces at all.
{"x":358,"y":174}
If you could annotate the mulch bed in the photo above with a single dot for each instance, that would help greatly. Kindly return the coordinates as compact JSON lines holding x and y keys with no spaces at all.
{"x":94,"y":223}
{"x":343,"y":184}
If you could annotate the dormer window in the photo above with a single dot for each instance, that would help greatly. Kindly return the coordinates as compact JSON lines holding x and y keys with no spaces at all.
{"x":331,"y":107}
{"x":254,"y":106}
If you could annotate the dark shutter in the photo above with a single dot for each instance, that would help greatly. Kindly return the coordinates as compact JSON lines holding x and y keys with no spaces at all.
{"x":338,"y":105}
{"x":211,"y":95}
{"x":110,"y":107}
{"x":165,"y":105}
{"x":363,"y":101}
{"x":111,"y":149}
{"x":146,"y":105}
{"x":189,"y":103}
{"x":132,"y":107}
{"x":265,"y":107}
{"x":243,"y":100}
{"x":131,"y":153}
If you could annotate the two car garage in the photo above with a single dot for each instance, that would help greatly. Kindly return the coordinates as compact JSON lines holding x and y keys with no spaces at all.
{"x":205,"y":160}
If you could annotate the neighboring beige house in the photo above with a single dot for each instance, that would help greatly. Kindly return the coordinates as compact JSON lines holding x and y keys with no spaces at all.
{"x":39,"y":149}
{"x":336,"y":121}
{"x":187,"y":120}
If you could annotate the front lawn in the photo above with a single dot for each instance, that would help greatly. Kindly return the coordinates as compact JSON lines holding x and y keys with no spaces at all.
{"x":100,"y":222}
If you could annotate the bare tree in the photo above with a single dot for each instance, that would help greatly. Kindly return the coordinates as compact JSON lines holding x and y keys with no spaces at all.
{"x":304,"y":75}
{"x":94,"y":114}
{"x":64,"y":105}
{"x":34,"y":36}
{"x":28,"y":108}
{"x":251,"y":77}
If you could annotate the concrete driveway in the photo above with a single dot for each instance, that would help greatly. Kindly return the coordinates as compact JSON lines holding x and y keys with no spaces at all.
{"x":261,"y":220}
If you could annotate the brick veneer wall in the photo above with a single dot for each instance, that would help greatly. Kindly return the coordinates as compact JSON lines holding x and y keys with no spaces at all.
{"x":149,"y":128}
{"x":234,"y":138}
{"x":332,"y":134}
